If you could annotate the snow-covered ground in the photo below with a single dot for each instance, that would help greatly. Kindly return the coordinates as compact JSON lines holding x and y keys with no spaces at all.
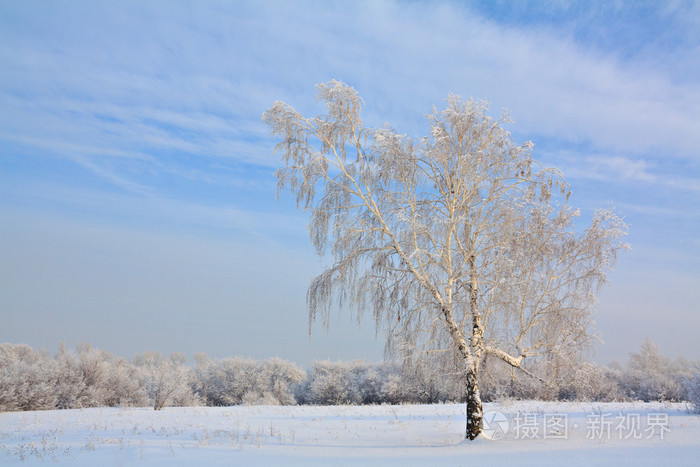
{"x":524,"y":433}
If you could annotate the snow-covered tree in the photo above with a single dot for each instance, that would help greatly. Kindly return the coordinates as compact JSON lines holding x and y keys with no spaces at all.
{"x":394,"y":390}
{"x":279,"y":377}
{"x":91,"y":377}
{"x":366,"y":384}
{"x":586,"y":381}
{"x":692,"y":387}
{"x":82,"y":377}
{"x":651,"y":376}
{"x":329,"y":384}
{"x":458,"y":242}
{"x":236,"y":380}
{"x":27,"y":380}
{"x":167,"y":380}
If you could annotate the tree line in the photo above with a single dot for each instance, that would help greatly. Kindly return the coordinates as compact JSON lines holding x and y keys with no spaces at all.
{"x":90,"y":377}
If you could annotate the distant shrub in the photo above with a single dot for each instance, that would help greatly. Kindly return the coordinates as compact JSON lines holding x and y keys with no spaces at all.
{"x":236,"y":381}
{"x":167,"y":380}
{"x":693,"y":392}
{"x":27,"y":379}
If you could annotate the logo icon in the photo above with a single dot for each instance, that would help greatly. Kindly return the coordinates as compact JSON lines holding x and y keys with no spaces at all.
{"x":495,"y":426}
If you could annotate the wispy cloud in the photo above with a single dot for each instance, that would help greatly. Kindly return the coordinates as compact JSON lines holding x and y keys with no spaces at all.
{"x":136,"y":208}
{"x":623,"y":170}
{"x":198,"y":83}
{"x":616,"y":168}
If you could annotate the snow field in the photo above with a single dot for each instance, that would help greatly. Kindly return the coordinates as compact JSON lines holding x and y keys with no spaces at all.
{"x":594,"y":434}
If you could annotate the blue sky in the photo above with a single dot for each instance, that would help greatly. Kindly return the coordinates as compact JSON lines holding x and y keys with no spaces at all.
{"x":137,"y":190}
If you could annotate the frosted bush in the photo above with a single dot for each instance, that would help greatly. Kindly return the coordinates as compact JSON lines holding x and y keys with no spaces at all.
{"x":236,"y":381}
{"x":27,"y":379}
{"x":693,"y":390}
{"x":329,"y":384}
{"x":167,"y":380}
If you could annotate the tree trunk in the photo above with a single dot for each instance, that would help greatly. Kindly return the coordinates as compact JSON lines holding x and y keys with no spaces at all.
{"x":475,"y":415}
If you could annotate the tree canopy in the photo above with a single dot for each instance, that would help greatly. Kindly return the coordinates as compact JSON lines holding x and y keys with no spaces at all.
{"x":458,"y":242}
